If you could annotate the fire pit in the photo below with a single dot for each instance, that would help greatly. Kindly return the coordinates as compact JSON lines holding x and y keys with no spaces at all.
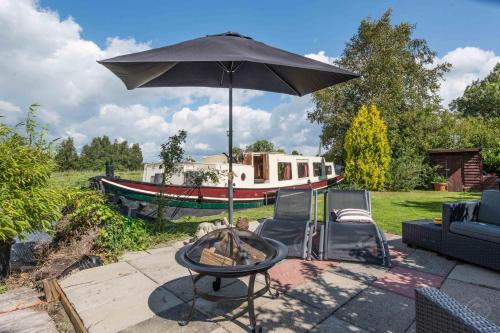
{"x":231,"y":253}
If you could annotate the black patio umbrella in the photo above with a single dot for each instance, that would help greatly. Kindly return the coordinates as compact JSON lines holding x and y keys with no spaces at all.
{"x":228,"y":60}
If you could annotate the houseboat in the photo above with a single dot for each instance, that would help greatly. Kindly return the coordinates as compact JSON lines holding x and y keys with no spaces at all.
{"x":256,"y":178}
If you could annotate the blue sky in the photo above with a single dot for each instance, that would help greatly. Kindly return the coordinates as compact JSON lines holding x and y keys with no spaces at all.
{"x":53,"y":45}
{"x":301,"y":26}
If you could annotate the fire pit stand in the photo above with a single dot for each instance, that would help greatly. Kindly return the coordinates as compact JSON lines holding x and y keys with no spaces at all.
{"x":254,"y":255}
{"x":249,"y":297}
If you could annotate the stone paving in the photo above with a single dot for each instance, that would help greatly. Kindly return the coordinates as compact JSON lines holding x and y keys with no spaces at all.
{"x":148,"y":291}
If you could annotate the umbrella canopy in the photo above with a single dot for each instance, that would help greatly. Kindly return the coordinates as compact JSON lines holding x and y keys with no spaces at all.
{"x":228,"y":60}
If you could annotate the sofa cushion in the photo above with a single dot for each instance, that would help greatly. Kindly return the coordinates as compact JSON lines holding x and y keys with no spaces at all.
{"x":489,"y":210}
{"x":478,"y":230}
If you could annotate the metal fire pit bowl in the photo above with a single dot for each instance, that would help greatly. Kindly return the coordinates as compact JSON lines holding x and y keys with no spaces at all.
{"x":231,"y":253}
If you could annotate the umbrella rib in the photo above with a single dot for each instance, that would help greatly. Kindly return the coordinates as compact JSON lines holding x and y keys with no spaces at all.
{"x":283,"y":79}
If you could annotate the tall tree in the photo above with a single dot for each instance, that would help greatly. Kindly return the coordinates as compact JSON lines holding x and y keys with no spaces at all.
{"x":367,"y":150}
{"x":66,"y":156}
{"x":481,"y":98}
{"x":135,"y":157}
{"x":171,"y":154}
{"x":398,"y":75}
{"x":263,"y":146}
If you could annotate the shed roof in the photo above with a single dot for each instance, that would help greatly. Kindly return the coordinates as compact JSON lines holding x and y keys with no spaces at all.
{"x":454,"y":150}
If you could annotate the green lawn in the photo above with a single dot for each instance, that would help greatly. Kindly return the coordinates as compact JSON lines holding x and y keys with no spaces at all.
{"x":389,"y":208}
{"x":81,"y":178}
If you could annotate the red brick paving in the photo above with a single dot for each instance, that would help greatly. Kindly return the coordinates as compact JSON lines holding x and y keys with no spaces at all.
{"x":293,"y":272}
{"x":403,"y":281}
{"x":398,"y":255}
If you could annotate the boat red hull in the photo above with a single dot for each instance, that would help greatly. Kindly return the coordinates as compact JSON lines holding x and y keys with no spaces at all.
{"x":209,"y":193}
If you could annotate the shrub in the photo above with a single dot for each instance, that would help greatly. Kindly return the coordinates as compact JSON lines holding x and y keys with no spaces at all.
{"x":27,"y":202}
{"x":491,"y":160}
{"x":86,"y":209}
{"x":407,"y":171}
{"x":367,"y":150}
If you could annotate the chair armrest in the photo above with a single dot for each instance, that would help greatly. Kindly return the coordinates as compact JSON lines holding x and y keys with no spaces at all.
{"x":435,"y":311}
{"x":459,"y":212}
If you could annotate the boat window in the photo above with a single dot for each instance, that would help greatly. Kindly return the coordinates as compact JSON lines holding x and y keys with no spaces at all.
{"x":328,"y":169}
{"x":303,"y":169}
{"x":284,"y":171}
{"x":317,"y":169}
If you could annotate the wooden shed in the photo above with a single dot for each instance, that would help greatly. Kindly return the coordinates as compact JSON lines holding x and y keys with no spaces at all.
{"x":461,"y":167}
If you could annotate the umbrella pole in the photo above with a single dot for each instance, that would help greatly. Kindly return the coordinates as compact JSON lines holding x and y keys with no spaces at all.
{"x":230,"y":134}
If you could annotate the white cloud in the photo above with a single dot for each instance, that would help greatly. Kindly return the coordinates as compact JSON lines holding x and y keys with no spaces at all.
{"x":46,"y":60}
{"x":321,"y":56}
{"x":469,"y":64}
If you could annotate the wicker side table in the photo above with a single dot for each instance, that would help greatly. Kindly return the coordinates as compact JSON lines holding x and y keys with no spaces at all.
{"x":424,"y":234}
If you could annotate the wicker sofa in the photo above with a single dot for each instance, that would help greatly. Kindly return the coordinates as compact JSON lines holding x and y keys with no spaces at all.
{"x":471,"y":230}
{"x":436,"y":312}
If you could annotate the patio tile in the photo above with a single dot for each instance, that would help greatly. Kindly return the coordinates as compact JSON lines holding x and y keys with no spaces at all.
{"x":167,"y":321}
{"x":403,"y":281}
{"x":284,"y":314}
{"x":27,"y":321}
{"x":160,"y":267}
{"x":476,"y":275}
{"x":96,"y":275}
{"x":428,"y":262}
{"x":360,"y":272}
{"x":119,"y":303}
{"x":128,"y":256}
{"x":293,"y":272}
{"x":218,"y":311}
{"x":327,"y":290}
{"x":400,"y":254}
{"x":484,"y":301}
{"x":379,"y":310}
{"x":334,"y":324}
{"x":183,"y":287}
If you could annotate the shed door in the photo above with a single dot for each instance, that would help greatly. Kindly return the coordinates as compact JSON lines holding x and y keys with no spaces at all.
{"x":455,"y":183}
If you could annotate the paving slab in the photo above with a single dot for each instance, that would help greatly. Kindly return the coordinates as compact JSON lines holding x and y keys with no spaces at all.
{"x":379,"y":310}
{"x":293,"y":272}
{"x":97,"y":275}
{"x":161,"y":267}
{"x":484,"y":301}
{"x":223,"y":311}
{"x":476,"y":275}
{"x":284,"y":314}
{"x":403,"y":281}
{"x":359,"y":272}
{"x":167,"y":321}
{"x":428,"y":262}
{"x":115,"y":304}
{"x":27,"y":321}
{"x":327,"y":290}
{"x":183,"y":287}
{"x":18,"y":298}
{"x":128,"y":256}
{"x":334,"y":324}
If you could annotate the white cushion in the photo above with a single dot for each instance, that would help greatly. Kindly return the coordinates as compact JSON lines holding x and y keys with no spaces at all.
{"x":355,"y":218}
{"x":352,"y":211}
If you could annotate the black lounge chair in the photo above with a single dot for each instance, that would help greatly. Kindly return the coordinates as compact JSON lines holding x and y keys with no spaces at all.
{"x":292,"y":223}
{"x":349,"y":232}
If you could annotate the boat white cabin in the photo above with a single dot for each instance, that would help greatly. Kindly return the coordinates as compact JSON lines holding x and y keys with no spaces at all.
{"x":256,"y":170}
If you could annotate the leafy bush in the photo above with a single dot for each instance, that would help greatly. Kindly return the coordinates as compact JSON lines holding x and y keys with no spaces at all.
{"x":367,"y":150}
{"x":408,"y":171}
{"x":86,"y":209}
{"x":491,"y":160}
{"x":27,"y":202}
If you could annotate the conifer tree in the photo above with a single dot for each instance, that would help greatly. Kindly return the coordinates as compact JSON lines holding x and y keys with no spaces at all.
{"x":367,"y":150}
